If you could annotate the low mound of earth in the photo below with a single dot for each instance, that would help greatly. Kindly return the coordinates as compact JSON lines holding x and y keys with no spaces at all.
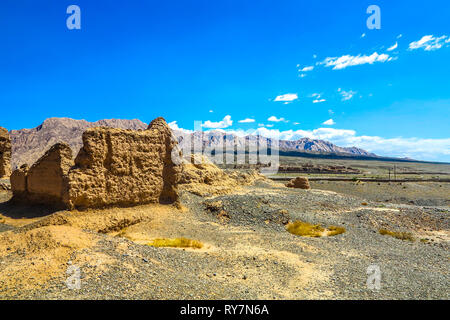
{"x":299,"y":182}
{"x":202,"y":177}
{"x":247,"y":252}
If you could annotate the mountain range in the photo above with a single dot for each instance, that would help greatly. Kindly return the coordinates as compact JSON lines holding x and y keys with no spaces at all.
{"x":30,"y":144}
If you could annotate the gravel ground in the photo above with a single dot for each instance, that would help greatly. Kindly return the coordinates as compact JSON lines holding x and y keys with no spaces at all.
{"x":249,"y":255}
{"x":415,"y":193}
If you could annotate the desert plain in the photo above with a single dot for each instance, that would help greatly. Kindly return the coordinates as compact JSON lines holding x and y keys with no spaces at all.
{"x":236,"y":241}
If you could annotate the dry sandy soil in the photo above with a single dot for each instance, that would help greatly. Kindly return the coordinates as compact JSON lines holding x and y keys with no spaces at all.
{"x":247,"y":252}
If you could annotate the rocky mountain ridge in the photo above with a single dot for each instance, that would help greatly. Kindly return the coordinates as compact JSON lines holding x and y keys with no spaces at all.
{"x":30,"y":144}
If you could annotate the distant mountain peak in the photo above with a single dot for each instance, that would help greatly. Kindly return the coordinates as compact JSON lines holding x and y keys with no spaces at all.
{"x":211,"y":138}
{"x":30,"y":144}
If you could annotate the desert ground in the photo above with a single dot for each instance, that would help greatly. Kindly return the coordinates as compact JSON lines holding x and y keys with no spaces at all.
{"x":246,"y":251}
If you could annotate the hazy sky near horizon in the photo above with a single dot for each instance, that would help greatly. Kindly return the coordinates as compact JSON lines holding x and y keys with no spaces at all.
{"x":287,"y":68}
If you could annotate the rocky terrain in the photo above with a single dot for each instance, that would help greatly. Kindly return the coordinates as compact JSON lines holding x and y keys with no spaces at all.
{"x":246,"y":251}
{"x":227,"y":234}
{"x":28,"y":145}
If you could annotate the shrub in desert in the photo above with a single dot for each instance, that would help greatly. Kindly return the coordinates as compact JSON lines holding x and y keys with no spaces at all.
{"x":176,"y":243}
{"x":299,"y":182}
{"x":334,"y":230}
{"x":399,"y":235}
{"x":305,"y":229}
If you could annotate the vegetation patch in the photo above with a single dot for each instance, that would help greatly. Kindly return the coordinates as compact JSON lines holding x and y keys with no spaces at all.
{"x":399,"y":235}
{"x":334,"y":230}
{"x":176,"y":243}
{"x":305,"y":229}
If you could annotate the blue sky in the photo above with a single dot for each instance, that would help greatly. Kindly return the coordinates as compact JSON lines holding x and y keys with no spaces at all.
{"x":222,"y":62}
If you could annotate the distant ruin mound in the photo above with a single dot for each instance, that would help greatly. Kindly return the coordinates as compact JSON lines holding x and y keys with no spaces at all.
{"x":114,"y":167}
{"x":299,"y":182}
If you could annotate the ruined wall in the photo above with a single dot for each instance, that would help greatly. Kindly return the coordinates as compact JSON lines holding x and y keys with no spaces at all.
{"x":46,"y":181}
{"x":19,"y":182}
{"x":5,"y":153}
{"x":114,"y":167}
{"x":47,"y":178}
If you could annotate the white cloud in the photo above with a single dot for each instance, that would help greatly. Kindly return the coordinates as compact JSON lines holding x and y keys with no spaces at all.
{"x":318,"y":98}
{"x":288,"y":97}
{"x":363,"y":35}
{"x":330,"y":111}
{"x":247,"y":120}
{"x":429,"y":43}
{"x":329,"y":122}
{"x":269,"y":125}
{"x":296,"y":123}
{"x":393,"y":47}
{"x":345,"y":61}
{"x":399,"y":36}
{"x":306,"y":69}
{"x":415,"y":148}
{"x":302,"y":75}
{"x":174,"y":126}
{"x":211,"y":111}
{"x":346,"y":95}
{"x":275,"y":119}
{"x":225,"y":123}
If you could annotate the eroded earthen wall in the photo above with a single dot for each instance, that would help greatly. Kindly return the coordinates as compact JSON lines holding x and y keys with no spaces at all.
{"x":46,"y":182}
{"x":115,"y":167}
{"x":5,"y":153}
